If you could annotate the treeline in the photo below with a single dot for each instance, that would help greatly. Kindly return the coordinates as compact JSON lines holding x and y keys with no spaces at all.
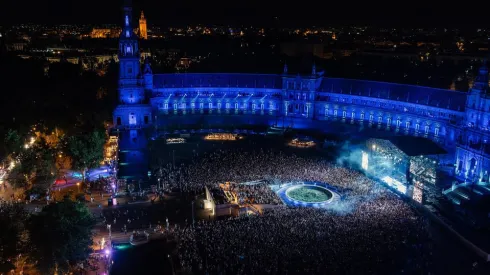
{"x":57,"y":95}
{"x":55,"y":240}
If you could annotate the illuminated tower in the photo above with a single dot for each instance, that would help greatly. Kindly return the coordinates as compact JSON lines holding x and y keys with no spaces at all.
{"x":129,"y":55}
{"x":133,"y":112}
{"x":143,"y":32}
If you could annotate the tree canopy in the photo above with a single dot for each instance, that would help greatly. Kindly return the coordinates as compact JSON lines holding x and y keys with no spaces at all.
{"x":61,"y":236}
{"x":13,"y":234}
{"x":87,"y":151}
{"x":36,"y":165}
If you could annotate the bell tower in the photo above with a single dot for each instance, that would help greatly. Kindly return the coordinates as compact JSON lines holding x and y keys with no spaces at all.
{"x":133,"y":112}
{"x":129,"y":55}
{"x":143,"y":31}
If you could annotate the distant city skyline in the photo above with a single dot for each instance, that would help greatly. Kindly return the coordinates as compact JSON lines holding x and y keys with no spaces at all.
{"x":268,"y":13}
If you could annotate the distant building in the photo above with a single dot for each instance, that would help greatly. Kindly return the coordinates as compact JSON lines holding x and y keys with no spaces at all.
{"x":105,"y":33}
{"x":143,"y":33}
{"x":183,"y":64}
{"x":17,"y":45}
{"x":459,"y":122}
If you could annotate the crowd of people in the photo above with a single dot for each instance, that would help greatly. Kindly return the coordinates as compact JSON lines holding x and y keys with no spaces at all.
{"x":241,"y":166}
{"x":125,"y":219}
{"x":259,"y":193}
{"x":380,"y":235}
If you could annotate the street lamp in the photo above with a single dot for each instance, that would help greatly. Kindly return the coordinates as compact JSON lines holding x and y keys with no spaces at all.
{"x":78,"y":186}
{"x":192,"y":204}
{"x":110,"y":231}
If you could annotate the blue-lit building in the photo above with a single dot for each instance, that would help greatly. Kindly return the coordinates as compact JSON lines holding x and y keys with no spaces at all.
{"x":458,"y":121}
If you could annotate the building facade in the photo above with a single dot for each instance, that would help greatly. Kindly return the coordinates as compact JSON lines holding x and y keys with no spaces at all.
{"x":459,"y":121}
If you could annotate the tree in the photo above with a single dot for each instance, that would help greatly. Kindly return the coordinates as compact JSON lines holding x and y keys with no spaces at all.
{"x":86,"y":151}
{"x":23,"y":174}
{"x":13,"y":235}
{"x":61,"y":236}
{"x":13,"y":142}
{"x":36,"y":164}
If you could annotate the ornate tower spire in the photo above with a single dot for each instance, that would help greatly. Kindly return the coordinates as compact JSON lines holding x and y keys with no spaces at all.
{"x":285,"y":70}
{"x":313,"y":69}
{"x":143,"y":31}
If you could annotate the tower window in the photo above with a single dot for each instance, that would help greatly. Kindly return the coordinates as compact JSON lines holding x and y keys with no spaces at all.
{"x":126,"y":19}
{"x":127,"y":33}
{"x":128,"y":49}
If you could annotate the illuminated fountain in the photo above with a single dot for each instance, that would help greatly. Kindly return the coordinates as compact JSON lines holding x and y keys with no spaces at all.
{"x":175,"y":140}
{"x":307,"y":194}
{"x":223,"y":136}
{"x":302,"y":143}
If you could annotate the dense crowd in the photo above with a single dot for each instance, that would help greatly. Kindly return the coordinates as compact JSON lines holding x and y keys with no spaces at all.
{"x":259,"y":193}
{"x":241,"y":166}
{"x":379,"y":235}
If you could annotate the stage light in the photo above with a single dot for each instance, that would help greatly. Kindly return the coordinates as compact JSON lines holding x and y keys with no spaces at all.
{"x":365,"y":160}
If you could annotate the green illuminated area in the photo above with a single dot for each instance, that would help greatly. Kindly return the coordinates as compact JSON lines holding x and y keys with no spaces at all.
{"x":309,"y":194}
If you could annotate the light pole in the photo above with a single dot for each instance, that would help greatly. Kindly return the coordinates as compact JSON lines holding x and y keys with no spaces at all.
{"x":110,"y":231}
{"x":192,"y":204}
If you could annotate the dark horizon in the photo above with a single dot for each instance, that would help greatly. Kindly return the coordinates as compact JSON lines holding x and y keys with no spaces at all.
{"x":314,"y":13}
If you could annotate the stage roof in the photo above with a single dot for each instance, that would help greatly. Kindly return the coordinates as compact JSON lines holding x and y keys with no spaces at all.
{"x":416,"y":146}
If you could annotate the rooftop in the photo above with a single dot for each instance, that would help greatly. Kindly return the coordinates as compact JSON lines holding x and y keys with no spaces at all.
{"x":416,"y":146}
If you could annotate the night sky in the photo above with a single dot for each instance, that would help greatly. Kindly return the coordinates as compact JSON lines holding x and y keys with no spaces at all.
{"x":289,"y":13}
